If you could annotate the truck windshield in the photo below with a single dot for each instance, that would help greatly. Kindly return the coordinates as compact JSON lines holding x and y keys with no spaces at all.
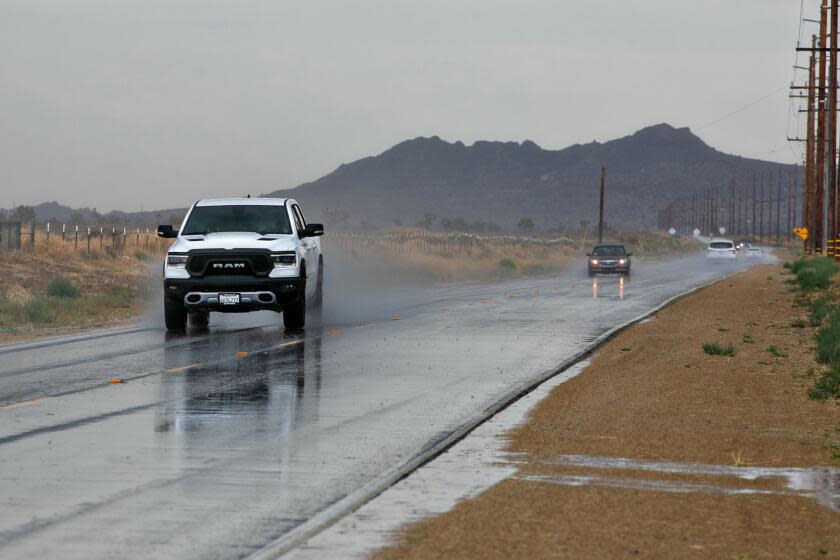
{"x":238,"y":218}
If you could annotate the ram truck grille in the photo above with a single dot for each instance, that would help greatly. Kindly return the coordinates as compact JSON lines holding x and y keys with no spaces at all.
{"x":233,"y":263}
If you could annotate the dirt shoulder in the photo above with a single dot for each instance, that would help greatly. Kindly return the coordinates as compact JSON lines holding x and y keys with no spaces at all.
{"x":651,"y":395}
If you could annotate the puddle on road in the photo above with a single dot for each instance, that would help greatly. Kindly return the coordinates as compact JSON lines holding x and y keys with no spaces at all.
{"x":819,"y":483}
{"x":480,"y":460}
{"x":596,"y":293}
{"x":468,"y":468}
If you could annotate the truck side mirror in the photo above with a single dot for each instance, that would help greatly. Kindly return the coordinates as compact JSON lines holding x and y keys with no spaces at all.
{"x":629,"y":254}
{"x":167,"y":232}
{"x":312,"y":230}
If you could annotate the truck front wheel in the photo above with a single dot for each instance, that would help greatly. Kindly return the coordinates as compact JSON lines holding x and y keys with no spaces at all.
{"x":294,"y":314}
{"x":175,"y":315}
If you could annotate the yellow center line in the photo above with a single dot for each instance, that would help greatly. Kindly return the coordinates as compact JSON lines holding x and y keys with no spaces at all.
{"x":183,"y":368}
{"x":24,"y":403}
{"x":286,"y":344}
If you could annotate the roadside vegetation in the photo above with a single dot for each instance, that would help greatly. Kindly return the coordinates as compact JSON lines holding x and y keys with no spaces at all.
{"x":53,"y":290}
{"x":481,"y":260}
{"x":715,"y":349}
{"x":815,"y":278}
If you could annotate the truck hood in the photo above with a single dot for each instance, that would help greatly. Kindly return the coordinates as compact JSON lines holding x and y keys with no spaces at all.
{"x":234,"y":240}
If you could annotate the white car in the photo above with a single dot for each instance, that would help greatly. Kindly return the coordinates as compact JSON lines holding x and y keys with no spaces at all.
{"x":720,"y":248}
{"x":753,"y":251}
{"x":242,"y":254}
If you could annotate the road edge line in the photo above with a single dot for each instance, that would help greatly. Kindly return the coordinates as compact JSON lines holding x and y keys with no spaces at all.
{"x":356,"y":499}
{"x":47,"y":341}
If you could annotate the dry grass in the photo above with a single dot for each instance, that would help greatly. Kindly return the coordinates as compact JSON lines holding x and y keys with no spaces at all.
{"x":486,"y":260}
{"x":110,"y":286}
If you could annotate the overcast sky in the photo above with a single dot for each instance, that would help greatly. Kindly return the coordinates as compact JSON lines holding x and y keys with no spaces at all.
{"x":154,"y":103}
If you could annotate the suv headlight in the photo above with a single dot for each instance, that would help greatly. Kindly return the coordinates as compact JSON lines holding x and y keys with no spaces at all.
{"x":287,"y":258}
{"x":594,"y":261}
{"x":176,"y":261}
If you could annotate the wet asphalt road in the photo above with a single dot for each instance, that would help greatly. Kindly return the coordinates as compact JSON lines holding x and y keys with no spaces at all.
{"x":221,"y":441}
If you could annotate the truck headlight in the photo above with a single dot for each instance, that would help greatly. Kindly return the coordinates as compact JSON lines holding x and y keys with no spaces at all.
{"x":284,"y":259}
{"x":621,"y":261}
{"x":594,"y":261}
{"x":176,"y":261}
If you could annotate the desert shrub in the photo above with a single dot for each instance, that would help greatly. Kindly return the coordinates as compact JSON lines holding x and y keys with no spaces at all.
{"x":814,"y":273}
{"x":61,"y":287}
{"x":828,"y":340}
{"x":827,"y":386}
{"x":506,"y":266}
{"x":821,"y":308}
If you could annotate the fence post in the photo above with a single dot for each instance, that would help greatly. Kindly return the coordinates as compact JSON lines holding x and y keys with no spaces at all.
{"x":76,"y":240}
{"x":63,"y":231}
{"x":48,"y":233}
{"x":88,"y":241}
{"x":32,"y":234}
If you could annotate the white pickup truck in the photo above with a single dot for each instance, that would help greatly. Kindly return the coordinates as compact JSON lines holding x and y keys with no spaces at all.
{"x":235,"y":255}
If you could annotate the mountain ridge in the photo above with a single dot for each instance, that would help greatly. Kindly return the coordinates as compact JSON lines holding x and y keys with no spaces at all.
{"x":503,"y":181}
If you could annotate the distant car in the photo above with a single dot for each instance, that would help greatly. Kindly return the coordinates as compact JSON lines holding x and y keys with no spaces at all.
{"x":753,"y":251}
{"x":742,"y":244}
{"x":609,"y":258}
{"x":720,"y":248}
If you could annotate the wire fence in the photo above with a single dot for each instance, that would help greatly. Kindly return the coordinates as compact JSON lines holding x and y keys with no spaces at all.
{"x":115,"y":241}
{"x":83,"y":240}
{"x":451,"y":244}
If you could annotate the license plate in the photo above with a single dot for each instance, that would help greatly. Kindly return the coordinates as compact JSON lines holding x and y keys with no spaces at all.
{"x":229,"y":299}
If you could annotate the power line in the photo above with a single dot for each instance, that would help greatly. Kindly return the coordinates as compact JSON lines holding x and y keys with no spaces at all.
{"x":744,"y":108}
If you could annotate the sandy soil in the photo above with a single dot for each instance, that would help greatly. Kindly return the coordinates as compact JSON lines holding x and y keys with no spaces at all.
{"x":652,"y":394}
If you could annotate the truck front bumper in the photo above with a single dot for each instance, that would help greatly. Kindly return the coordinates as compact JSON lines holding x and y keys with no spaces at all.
{"x":254,"y":293}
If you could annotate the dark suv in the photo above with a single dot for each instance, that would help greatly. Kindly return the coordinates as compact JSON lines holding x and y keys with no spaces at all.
{"x":609,"y":258}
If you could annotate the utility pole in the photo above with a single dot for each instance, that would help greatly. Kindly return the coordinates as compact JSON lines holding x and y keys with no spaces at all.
{"x":754,"y":199}
{"x":712,"y":213}
{"x":731,"y":206}
{"x":819,"y":230}
{"x":770,"y":209}
{"x":790,"y":210}
{"x":831,"y":113}
{"x":761,"y":214}
{"x":778,"y":207}
{"x":601,"y":209}
{"x":810,"y":154}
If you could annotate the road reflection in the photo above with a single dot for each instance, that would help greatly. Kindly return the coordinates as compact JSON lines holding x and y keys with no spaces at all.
{"x":595,"y":293}
{"x":268,"y":390}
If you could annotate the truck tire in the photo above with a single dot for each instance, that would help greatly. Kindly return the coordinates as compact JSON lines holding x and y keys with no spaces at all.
{"x":174,"y":315}
{"x":199,"y":319}
{"x":294,"y":314}
{"x":318,"y":299}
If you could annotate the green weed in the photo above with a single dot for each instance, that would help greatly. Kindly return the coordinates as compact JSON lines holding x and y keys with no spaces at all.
{"x":506,"y":267}
{"x":827,"y":386}
{"x":715,"y":349}
{"x":776,"y":352}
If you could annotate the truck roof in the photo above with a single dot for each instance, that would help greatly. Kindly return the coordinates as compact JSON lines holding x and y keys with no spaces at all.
{"x":242,"y":202}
